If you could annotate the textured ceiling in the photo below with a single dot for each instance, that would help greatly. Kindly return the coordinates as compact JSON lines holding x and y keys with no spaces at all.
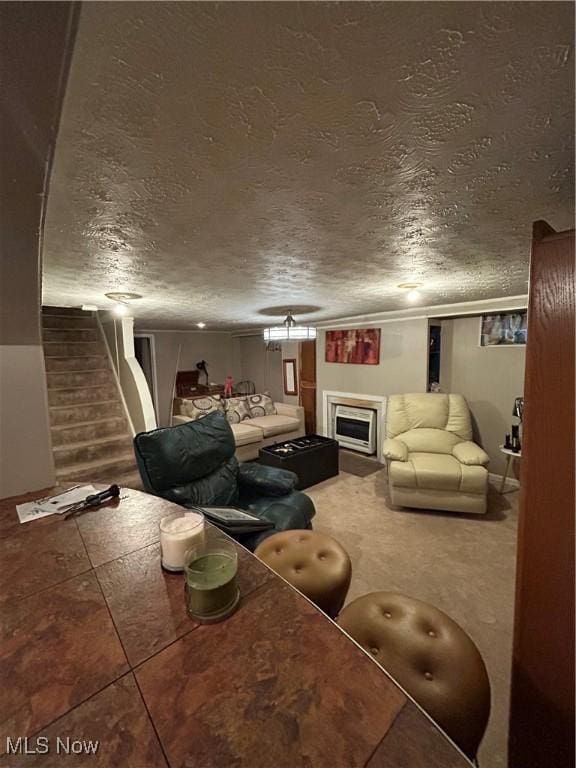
{"x":224,"y":158}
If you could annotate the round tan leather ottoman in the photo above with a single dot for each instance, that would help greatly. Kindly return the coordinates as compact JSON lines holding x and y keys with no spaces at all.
{"x":312,"y":562}
{"x":430,"y":656}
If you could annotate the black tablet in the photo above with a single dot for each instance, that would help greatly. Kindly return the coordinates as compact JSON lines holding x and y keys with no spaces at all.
{"x":234,"y":519}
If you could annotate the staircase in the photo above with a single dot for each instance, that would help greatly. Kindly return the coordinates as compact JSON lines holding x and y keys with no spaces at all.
{"x":91,"y":439}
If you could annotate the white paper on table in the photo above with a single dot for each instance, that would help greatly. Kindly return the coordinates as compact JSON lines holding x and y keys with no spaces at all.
{"x":55,"y":505}
{"x":31,"y":511}
{"x":60,"y":504}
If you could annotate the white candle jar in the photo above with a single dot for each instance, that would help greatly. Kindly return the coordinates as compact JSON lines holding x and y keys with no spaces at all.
{"x":178,"y":533}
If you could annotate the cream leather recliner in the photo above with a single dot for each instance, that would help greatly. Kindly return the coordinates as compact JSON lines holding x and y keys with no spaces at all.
{"x":431,"y":459}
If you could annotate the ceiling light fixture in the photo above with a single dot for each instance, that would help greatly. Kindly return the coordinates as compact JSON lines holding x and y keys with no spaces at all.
{"x":201,"y":325}
{"x":89,"y":308}
{"x":123,"y":296}
{"x":121,"y":300}
{"x":413,"y":294}
{"x":289,"y":331}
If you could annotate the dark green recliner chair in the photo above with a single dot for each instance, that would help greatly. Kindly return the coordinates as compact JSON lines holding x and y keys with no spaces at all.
{"x":193,"y":464}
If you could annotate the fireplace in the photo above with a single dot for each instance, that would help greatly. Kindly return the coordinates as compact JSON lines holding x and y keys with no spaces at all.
{"x":356,"y":402}
{"x":355,"y":428}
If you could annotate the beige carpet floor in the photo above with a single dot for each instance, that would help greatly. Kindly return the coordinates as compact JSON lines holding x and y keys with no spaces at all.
{"x":464,"y":565}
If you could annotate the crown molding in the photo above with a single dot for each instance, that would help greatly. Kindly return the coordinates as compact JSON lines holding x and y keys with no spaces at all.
{"x":199,"y":331}
{"x":457,"y":309}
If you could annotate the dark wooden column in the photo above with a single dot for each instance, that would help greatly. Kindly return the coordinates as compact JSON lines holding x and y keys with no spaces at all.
{"x":308,"y":384}
{"x":542,"y":703}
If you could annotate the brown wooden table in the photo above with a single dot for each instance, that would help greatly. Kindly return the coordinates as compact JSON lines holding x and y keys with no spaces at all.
{"x":96,"y":644}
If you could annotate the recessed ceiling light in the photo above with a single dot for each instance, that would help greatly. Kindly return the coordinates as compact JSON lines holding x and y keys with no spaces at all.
{"x":89,"y":307}
{"x":120,"y":310}
{"x":201,"y":325}
{"x":413,"y":294}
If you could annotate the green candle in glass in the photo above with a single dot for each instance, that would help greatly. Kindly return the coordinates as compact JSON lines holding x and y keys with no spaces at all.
{"x":210,"y":570}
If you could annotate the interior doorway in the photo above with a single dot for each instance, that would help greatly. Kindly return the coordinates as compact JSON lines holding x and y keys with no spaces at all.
{"x":145,"y":353}
{"x":434,"y":349}
{"x":308,"y":384}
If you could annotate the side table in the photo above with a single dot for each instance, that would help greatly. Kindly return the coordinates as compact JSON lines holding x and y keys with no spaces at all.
{"x":509,"y":456}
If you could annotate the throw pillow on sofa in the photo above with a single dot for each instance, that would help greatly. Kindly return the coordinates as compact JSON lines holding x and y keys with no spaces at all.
{"x":236,"y":409}
{"x":261,"y":405}
{"x":197,"y":407}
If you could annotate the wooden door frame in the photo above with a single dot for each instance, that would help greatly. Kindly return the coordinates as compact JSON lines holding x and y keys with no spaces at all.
{"x":541,"y":728}
{"x":301,"y":379}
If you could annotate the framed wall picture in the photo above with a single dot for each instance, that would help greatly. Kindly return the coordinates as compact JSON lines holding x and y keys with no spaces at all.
{"x":360,"y":346}
{"x":290,"y":377}
{"x":507,"y":329}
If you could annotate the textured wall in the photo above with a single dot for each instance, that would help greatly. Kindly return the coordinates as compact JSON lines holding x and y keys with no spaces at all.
{"x":220,"y":350}
{"x":32,"y":93}
{"x":224,"y":158}
{"x":488,"y":377}
{"x":403,"y":364}
{"x":36,"y":44}
{"x":262,"y":367}
{"x":26,"y":462}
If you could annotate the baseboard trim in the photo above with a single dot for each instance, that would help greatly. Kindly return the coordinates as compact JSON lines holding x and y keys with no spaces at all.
{"x":510,"y":481}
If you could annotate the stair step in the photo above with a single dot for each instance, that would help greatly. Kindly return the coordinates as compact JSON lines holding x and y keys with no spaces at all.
{"x":68,"y":335}
{"x":79,"y":414}
{"x":98,"y":470}
{"x":66,"y":311}
{"x":67,"y":385}
{"x":82,"y":395}
{"x":82,"y":432}
{"x":90,"y":435}
{"x":99,"y":449}
{"x":70,"y":379}
{"x":73,"y":348}
{"x":72,"y":322}
{"x":82,"y":363}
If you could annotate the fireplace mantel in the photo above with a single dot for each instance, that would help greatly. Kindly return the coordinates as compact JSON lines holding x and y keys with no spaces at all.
{"x":377,"y":402}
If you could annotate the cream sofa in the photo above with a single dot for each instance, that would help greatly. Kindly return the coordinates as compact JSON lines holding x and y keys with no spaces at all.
{"x":252,"y":434}
{"x":431,"y":459}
